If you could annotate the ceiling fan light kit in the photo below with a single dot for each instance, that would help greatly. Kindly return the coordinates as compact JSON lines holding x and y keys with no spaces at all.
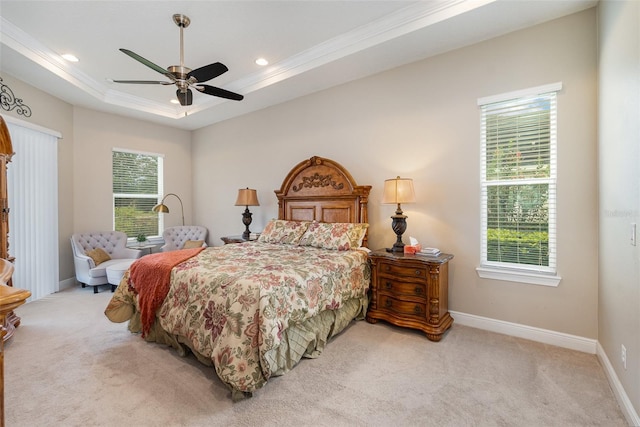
{"x":184,"y":77}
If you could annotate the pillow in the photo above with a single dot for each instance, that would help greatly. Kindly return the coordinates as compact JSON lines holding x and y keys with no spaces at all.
{"x":283,"y":231}
{"x":98,"y":255}
{"x":339,"y":236}
{"x":190,"y":244}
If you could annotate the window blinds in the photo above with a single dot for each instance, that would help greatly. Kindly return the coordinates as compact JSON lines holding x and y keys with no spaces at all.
{"x":518,"y":177}
{"x":137,"y":188}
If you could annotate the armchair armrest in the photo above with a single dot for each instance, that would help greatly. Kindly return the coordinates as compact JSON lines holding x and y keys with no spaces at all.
{"x":84,"y":261}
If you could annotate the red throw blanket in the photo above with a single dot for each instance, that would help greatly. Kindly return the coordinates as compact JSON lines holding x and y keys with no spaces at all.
{"x":150,"y":277}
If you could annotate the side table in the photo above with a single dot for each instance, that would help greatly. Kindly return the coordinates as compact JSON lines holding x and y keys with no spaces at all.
{"x":239,"y":239}
{"x":410,"y":291}
{"x":144,"y":247}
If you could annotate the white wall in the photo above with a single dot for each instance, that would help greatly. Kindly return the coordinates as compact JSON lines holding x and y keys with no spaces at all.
{"x":421,"y":121}
{"x":619,"y":181}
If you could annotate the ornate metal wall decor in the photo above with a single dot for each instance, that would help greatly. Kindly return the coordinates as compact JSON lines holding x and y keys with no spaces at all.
{"x":9,"y":102}
{"x":317,"y":180}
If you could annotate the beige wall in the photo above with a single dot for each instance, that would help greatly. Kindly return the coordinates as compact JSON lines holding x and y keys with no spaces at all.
{"x":619,"y":167}
{"x":84,"y":162}
{"x":422,"y":121}
{"x":96,"y":134}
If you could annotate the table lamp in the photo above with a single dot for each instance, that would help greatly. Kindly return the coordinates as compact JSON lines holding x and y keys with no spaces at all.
{"x":396,"y":191}
{"x":247,"y":197}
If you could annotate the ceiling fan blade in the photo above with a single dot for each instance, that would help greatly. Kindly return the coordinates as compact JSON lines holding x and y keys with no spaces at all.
{"x":208,"y":72}
{"x":143,"y":82}
{"x":148,"y":63}
{"x":185,"y":98}
{"x":222,"y":93}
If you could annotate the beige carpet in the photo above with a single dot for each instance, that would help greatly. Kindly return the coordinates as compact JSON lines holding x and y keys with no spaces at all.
{"x":67,"y":365}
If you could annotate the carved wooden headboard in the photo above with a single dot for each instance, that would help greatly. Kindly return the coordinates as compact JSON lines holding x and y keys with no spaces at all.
{"x":320,"y":189}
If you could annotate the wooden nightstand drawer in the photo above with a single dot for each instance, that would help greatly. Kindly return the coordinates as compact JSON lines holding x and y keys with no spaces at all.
{"x":410,"y":290}
{"x":417,"y":272}
{"x":401,"y":307}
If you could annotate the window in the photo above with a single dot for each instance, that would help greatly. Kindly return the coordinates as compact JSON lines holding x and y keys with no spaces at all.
{"x":518,"y":185}
{"x":137,"y":188}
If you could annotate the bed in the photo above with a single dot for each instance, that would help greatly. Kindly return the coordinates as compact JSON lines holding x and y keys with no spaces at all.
{"x":254,"y":309}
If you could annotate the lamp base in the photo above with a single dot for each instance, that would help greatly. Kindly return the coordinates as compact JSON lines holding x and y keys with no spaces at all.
{"x":396,"y":248}
{"x":246,"y":220}
{"x":399,"y":225}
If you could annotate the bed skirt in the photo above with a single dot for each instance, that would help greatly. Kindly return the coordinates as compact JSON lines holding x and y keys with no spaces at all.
{"x":307,"y":339}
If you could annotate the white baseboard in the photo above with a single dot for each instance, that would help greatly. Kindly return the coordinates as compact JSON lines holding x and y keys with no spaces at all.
{"x":621,"y":396}
{"x":546,"y":336}
{"x":66,"y":284}
{"x":559,"y":339}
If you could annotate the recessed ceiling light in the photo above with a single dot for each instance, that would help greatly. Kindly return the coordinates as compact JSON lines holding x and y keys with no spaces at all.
{"x":262,"y":61}
{"x":69,"y":57}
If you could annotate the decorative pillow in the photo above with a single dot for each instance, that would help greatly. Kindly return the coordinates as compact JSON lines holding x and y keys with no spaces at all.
{"x":283,"y":232}
{"x":98,"y":255}
{"x":190,"y":244}
{"x":339,"y":236}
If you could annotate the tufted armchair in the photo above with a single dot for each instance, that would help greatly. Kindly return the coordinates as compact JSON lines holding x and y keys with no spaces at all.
{"x":114,"y":243}
{"x":176,"y":237}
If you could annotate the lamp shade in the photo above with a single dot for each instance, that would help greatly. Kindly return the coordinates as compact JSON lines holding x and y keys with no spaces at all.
{"x":398,"y":190}
{"x":161,"y":208}
{"x":247,"y":197}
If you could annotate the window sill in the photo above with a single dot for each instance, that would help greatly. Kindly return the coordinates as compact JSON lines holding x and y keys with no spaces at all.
{"x":531,"y":278}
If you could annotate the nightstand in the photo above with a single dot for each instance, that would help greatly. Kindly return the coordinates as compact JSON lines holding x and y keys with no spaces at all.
{"x":410,"y":291}
{"x":239,"y":238}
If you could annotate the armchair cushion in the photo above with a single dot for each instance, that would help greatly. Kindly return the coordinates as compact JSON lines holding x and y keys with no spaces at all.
{"x":98,"y":255}
{"x":190,"y":244}
{"x":176,"y":237}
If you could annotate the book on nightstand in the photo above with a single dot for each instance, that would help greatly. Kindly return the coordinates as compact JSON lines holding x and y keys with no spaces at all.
{"x":429,"y":252}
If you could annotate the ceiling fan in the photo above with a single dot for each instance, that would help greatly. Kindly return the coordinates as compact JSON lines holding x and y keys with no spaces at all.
{"x":184,"y":77}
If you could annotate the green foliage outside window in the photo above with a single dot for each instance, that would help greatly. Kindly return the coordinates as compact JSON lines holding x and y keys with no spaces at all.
{"x":517,"y":160}
{"x":135,"y":189}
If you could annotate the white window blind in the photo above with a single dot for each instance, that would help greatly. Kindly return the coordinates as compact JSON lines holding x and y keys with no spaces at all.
{"x":137,"y":188}
{"x":32,"y":186}
{"x":518,"y":180}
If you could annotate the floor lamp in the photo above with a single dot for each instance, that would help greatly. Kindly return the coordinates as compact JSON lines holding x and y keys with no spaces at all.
{"x":162,"y":208}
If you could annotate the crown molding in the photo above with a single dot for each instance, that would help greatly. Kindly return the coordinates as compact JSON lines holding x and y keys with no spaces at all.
{"x":404,"y":21}
{"x":399,"y":23}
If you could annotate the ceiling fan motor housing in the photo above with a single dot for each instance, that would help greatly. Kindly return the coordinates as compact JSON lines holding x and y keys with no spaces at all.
{"x":181,"y":20}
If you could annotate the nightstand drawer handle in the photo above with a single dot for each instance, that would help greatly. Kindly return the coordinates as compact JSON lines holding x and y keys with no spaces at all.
{"x":418,"y":272}
{"x":418,"y":290}
{"x":388,"y":285}
{"x":388,"y":303}
{"x":417,"y":309}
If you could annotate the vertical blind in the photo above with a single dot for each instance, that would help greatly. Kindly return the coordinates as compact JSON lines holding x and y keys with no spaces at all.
{"x":32,"y":186}
{"x":518,"y":180}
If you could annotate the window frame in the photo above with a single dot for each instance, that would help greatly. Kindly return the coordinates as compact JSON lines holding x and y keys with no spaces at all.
{"x":516,"y":272}
{"x":155,"y":196}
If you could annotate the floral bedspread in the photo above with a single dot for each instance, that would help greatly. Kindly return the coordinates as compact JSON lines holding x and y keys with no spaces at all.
{"x":231,"y":303}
